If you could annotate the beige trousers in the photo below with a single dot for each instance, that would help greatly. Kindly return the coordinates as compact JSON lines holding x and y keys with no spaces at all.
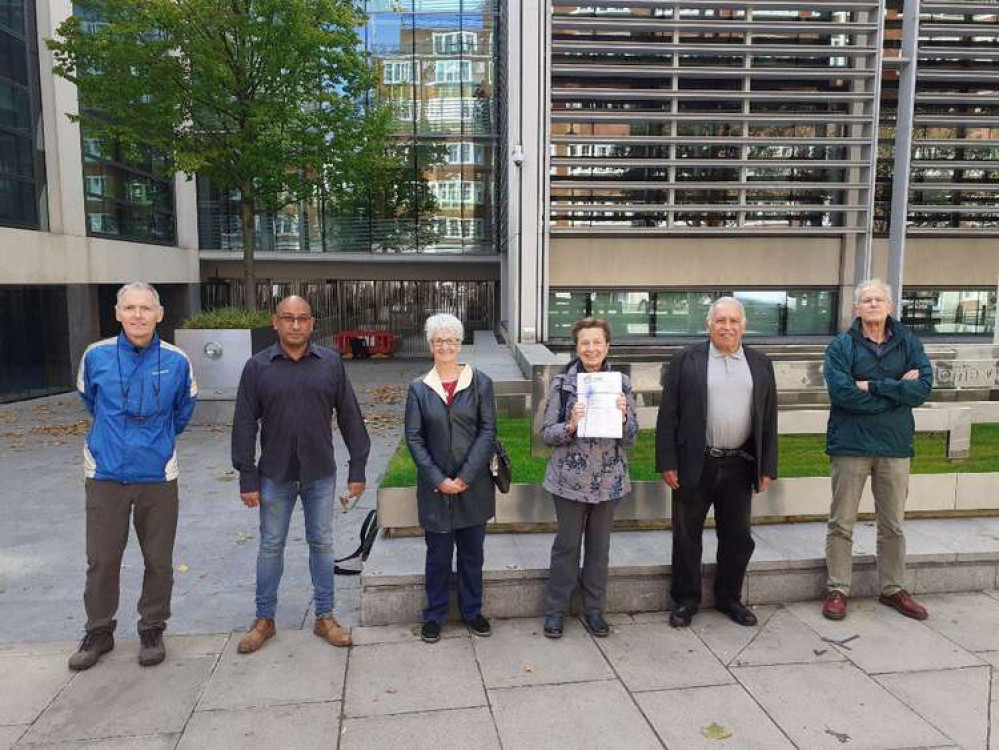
{"x":890,"y":486}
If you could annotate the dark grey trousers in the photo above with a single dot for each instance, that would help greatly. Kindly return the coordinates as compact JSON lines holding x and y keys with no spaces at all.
{"x":578,"y":522}
{"x":153,"y":510}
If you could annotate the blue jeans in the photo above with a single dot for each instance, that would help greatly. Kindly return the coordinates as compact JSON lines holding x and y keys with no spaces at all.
{"x":440,"y":551}
{"x":277,"y":501}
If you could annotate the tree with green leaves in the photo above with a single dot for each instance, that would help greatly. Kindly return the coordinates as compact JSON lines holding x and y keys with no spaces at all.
{"x":265,"y":96}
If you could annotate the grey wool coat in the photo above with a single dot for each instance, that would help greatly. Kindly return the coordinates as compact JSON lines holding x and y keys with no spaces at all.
{"x":455,"y":441}
{"x":588,"y":470}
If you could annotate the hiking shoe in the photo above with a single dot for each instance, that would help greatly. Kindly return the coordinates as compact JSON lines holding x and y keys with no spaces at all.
{"x":263,"y":629}
{"x":903,"y":601}
{"x":151,"y":648}
{"x":596,"y":625}
{"x":553,"y":626}
{"x":95,"y":644}
{"x":331,"y":631}
{"x":430,"y":632}
{"x":834,"y":605}
{"x":480,"y":626}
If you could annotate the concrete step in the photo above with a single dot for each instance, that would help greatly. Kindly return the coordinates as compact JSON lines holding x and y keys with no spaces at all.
{"x":944,"y":555}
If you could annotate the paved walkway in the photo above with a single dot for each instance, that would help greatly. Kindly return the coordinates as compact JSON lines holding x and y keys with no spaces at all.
{"x":875,"y":680}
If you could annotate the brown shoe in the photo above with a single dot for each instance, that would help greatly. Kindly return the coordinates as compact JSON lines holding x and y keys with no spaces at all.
{"x":331,"y":631}
{"x":834,"y":605}
{"x":902,"y":601}
{"x":263,"y":628}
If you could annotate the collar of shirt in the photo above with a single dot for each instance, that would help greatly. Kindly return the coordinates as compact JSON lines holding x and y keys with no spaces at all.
{"x":276,"y":352}
{"x":716,"y":352}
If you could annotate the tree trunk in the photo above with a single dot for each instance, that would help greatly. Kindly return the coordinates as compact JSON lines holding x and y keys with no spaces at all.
{"x":249,"y":246}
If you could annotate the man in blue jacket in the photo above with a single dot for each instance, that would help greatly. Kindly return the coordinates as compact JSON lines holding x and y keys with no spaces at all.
{"x":876,"y":372}
{"x":140,"y":393}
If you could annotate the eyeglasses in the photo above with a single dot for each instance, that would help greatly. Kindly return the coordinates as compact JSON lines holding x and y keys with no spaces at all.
{"x":872,"y":300}
{"x":291,"y":319}
{"x":441,"y":343}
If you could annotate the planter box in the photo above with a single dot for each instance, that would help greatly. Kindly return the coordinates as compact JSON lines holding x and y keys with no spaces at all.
{"x":218,"y":356}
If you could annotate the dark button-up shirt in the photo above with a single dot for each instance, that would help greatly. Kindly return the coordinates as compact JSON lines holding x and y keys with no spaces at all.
{"x":294,"y":402}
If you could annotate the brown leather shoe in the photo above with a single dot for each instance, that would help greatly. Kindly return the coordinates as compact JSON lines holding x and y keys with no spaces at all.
{"x":834,"y":605}
{"x":902,"y":601}
{"x":331,"y":631}
{"x":263,"y":628}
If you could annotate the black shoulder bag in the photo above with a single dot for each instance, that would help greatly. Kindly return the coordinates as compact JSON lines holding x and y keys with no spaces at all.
{"x":500,"y":468}
{"x":369,"y":532}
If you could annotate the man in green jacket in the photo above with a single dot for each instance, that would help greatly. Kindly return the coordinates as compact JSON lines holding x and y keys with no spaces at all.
{"x":876,"y":372}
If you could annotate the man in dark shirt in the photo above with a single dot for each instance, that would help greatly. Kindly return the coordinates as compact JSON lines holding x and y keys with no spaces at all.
{"x":292,"y":389}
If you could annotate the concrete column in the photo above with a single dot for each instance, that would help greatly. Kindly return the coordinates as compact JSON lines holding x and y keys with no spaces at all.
{"x":63,"y":150}
{"x":83,"y":321}
{"x":903,"y":150}
{"x":185,"y":190}
{"x":528,"y":116}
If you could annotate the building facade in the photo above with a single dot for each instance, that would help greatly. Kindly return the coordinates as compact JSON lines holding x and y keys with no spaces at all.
{"x":675,"y":151}
{"x":76,"y":219}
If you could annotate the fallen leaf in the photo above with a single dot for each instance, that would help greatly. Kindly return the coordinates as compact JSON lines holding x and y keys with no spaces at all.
{"x":182,"y":568}
{"x":529,"y":668}
{"x":715,"y":731}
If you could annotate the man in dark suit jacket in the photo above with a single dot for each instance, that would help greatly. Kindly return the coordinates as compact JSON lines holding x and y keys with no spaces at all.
{"x":716,"y":442}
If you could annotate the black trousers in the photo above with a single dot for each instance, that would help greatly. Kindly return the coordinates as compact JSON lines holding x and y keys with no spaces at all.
{"x":726,"y":484}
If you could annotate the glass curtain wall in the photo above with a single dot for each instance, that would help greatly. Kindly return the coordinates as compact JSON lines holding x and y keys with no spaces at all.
{"x":672,"y":313}
{"x":435,"y":62}
{"x":693,"y":118}
{"x":126,"y":196}
{"x":22,"y":160}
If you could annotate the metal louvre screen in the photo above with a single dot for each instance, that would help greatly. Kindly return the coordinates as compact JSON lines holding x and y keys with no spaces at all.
{"x":401,"y":307}
{"x":753,"y":116}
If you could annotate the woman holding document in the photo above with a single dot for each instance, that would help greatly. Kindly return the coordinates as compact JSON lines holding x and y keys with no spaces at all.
{"x":590,"y":421}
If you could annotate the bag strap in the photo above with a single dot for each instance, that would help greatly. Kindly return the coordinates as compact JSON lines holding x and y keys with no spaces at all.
{"x":369,"y":532}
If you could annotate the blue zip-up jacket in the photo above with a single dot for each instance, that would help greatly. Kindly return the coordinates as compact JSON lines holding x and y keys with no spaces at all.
{"x":140,"y":400}
{"x":879,"y":421}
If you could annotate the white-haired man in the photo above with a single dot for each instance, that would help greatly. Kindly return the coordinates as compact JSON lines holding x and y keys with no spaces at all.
{"x":140,"y":393}
{"x":716,"y":441}
{"x":876,"y":372}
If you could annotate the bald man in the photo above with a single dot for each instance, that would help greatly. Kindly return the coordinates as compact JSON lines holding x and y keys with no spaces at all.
{"x":292,"y":389}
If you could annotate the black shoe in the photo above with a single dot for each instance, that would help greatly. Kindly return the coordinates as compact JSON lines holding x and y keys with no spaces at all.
{"x":681,"y":615}
{"x":479,"y":625}
{"x":737,"y":612}
{"x":553,"y":626}
{"x":95,"y":644}
{"x":151,"y":648}
{"x":596,"y":625}
{"x":430,"y":632}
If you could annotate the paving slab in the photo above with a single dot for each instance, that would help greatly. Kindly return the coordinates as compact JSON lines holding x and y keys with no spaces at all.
{"x":655,"y":657}
{"x":685,"y":719}
{"x":784,"y":639}
{"x":29,"y":685}
{"x":393,"y":678}
{"x":373,"y":634}
{"x":992,"y":657}
{"x":518,"y":653}
{"x":994,"y":712}
{"x":177,"y":647}
{"x":583,"y":716}
{"x":293,"y":667}
{"x":879,"y":639}
{"x":30,"y":648}
{"x":725,"y":638}
{"x":971,"y":620}
{"x":124,"y":699}
{"x":302,"y":727}
{"x":10,"y":735}
{"x":955,"y":701}
{"x":832,"y":705}
{"x":151,"y":742}
{"x":455,"y":729}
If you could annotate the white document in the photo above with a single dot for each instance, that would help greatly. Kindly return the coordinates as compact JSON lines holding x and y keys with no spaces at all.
{"x":599,"y":391}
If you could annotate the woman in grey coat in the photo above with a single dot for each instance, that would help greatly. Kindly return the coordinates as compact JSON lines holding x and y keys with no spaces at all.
{"x":586,"y":477}
{"x":451,"y":432}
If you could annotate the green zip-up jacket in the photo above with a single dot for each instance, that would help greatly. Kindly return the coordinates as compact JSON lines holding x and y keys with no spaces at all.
{"x":877,"y":422}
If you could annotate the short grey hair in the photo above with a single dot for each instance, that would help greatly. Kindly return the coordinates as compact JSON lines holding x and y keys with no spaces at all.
{"x":139,"y":286}
{"x":445,"y":322}
{"x":725,"y":301}
{"x":863,"y":286}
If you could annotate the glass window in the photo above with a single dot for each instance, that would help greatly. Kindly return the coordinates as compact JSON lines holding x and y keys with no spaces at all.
{"x":627,"y":313}
{"x":682,"y":313}
{"x":564,"y":309}
{"x":949,"y":312}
